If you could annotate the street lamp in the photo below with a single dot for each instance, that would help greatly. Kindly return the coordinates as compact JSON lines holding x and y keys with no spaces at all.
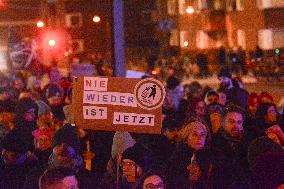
{"x":52,"y":42}
{"x":96,"y":19}
{"x":189,"y":10}
{"x":40,"y":24}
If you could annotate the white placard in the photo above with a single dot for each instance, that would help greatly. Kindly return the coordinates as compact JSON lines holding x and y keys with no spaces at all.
{"x":133,"y":119}
{"x":94,"y":112}
{"x":112,"y":98}
{"x":95,"y":83}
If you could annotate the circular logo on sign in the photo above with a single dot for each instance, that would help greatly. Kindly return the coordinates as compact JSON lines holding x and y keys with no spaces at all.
{"x":150,"y":93}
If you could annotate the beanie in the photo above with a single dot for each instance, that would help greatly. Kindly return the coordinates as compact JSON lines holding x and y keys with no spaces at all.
{"x":43,"y":108}
{"x":42,"y":132}
{"x":53,"y":90}
{"x":135,"y":154}
{"x":66,"y":135}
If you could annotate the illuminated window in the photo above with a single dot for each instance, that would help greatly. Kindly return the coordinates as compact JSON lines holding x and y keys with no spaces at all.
{"x":202,"y":4}
{"x":174,"y":38}
{"x":184,"y":39}
{"x":182,"y":6}
{"x":241,"y":38}
{"x":201,"y":40}
{"x":235,"y":5}
{"x":171,"y":6}
{"x":265,"y":39}
{"x":73,"y":20}
{"x":78,"y":45}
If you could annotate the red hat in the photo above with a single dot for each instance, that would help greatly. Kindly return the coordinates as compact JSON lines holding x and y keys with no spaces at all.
{"x":43,"y":131}
{"x":253,"y":99}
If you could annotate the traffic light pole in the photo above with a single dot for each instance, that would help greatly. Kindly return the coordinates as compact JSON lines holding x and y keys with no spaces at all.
{"x":118,"y":38}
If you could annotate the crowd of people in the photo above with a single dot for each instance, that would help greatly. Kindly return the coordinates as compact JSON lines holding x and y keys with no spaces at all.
{"x":210,"y":139}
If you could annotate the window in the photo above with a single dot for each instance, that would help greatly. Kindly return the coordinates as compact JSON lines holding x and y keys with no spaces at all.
{"x":184,"y":42}
{"x":78,"y":45}
{"x":202,"y":4}
{"x":3,"y":59}
{"x":171,"y":6}
{"x":265,"y":39}
{"x":219,"y":5}
{"x":182,"y":6}
{"x":201,"y":40}
{"x":174,"y":38}
{"x":235,"y":5}
{"x":241,"y":38}
{"x":73,"y":20}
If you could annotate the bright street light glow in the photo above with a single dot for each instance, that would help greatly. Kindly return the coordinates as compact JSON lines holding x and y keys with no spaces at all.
{"x":40,"y":24}
{"x":189,"y":10}
{"x":185,"y":43}
{"x":96,"y":19}
{"x":52,"y":42}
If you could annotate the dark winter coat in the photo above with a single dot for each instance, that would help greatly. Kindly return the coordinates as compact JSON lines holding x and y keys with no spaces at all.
{"x":13,"y":176}
{"x":157,"y":149}
{"x":235,"y":153}
{"x":177,"y":173}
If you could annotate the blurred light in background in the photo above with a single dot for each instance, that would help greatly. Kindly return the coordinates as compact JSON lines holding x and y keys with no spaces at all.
{"x":40,"y":24}
{"x":96,"y":19}
{"x":189,"y":10}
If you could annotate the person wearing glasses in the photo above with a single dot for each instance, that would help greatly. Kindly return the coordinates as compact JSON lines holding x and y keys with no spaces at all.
{"x":151,"y":180}
{"x":132,"y":166}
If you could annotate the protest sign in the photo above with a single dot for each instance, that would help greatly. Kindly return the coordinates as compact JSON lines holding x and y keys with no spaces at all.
{"x":118,"y":104}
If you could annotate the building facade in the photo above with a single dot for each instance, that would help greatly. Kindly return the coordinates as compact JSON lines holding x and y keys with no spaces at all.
{"x":205,"y":24}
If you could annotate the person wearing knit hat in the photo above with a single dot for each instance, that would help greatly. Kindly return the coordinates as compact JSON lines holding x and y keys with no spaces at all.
{"x":133,"y":164}
{"x":42,"y":143}
{"x":45,"y":118}
{"x":54,"y":96}
{"x":214,"y":113}
{"x":65,"y":153}
{"x":66,"y":135}
{"x":26,"y":113}
{"x":43,"y":138}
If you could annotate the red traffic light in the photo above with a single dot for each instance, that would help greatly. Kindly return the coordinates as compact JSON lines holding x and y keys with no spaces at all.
{"x":2,"y":4}
{"x":52,"y":40}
